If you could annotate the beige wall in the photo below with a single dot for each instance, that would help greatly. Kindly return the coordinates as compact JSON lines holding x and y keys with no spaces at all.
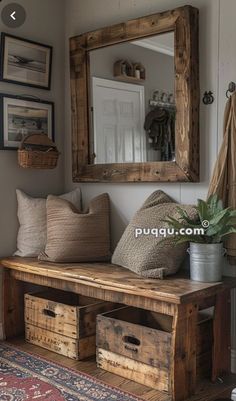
{"x":45,"y":22}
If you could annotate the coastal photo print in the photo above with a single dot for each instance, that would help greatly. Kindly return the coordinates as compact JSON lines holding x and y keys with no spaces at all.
{"x":25,"y":62}
{"x":20,"y":117}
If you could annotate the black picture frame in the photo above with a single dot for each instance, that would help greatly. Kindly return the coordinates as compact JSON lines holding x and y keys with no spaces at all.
{"x":30,"y":102}
{"x":5,"y":77}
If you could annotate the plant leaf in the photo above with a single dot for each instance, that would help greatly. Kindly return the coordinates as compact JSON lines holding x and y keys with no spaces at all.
{"x":173,"y":223}
{"x":215,"y":205}
{"x":203,"y":211}
{"x":220,"y":215}
{"x":189,"y":238}
{"x":184,"y":215}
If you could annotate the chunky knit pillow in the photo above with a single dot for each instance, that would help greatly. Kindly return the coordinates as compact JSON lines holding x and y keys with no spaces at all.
{"x":148,"y":255}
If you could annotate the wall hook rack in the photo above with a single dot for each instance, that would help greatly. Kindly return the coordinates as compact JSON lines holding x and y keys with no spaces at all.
{"x":208,"y":97}
{"x":231,"y":89}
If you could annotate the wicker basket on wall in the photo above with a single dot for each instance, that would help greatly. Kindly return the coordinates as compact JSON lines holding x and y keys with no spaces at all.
{"x":37,"y":151}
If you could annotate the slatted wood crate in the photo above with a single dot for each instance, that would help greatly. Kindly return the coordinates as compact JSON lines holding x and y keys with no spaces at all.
{"x":63,"y":322}
{"x":136,"y":344}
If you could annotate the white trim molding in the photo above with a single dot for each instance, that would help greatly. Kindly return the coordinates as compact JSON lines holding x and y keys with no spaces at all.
{"x":157,"y":47}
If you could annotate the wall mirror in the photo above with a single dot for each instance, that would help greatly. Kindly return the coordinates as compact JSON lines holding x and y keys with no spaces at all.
{"x":135,"y":100}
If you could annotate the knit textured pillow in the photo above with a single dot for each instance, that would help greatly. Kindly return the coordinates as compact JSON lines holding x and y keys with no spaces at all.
{"x":32,"y":216}
{"x":73,"y":236}
{"x":148,"y":255}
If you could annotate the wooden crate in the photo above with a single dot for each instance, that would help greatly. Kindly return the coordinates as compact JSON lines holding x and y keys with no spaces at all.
{"x":63,"y":322}
{"x":136,"y":344}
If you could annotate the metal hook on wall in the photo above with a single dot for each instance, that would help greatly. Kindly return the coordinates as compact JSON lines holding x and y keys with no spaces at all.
{"x":231,"y":89}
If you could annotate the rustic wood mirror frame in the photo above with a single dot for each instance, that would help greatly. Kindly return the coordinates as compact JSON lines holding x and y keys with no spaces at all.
{"x":184,"y":22}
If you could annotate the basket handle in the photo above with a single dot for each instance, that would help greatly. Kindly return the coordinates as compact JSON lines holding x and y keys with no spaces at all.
{"x":36,"y":139}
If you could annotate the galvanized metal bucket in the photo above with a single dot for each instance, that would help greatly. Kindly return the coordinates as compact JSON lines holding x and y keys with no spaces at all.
{"x":206,"y":262}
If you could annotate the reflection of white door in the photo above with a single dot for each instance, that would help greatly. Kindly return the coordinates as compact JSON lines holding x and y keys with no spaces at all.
{"x":119,"y":113}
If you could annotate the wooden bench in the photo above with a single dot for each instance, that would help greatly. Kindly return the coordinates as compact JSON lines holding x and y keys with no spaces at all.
{"x":176,"y":296}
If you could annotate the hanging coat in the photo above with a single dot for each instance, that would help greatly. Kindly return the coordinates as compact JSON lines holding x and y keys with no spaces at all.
{"x":160,"y":126}
{"x":223,"y":181}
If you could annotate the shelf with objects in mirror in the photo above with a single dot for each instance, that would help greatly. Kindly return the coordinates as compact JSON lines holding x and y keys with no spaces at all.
{"x":127,"y":71}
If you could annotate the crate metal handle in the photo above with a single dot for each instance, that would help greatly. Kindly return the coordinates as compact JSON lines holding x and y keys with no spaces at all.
{"x":49,"y":313}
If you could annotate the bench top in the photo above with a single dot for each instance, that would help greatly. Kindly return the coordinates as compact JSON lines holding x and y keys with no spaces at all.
{"x":175,"y":289}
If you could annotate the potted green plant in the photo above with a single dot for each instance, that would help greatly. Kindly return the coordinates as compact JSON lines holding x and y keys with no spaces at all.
{"x":213,"y":224}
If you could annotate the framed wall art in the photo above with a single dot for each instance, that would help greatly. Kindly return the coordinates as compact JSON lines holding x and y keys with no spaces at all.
{"x":20,"y":116}
{"x":25,"y":62}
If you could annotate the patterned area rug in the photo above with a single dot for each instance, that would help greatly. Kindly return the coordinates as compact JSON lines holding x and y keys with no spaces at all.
{"x":24,"y":377}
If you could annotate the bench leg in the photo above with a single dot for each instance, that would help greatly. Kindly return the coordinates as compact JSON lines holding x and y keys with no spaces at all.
{"x":183,"y":371}
{"x":221,"y":362}
{"x":13,"y":306}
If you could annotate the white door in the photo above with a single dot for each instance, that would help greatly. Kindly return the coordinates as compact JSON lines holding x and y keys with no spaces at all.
{"x":118,"y":119}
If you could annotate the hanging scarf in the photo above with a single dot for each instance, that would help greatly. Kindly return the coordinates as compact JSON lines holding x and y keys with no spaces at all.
{"x":223,"y":181}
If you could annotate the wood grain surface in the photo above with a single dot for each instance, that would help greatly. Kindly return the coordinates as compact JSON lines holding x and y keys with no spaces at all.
{"x":175,"y":289}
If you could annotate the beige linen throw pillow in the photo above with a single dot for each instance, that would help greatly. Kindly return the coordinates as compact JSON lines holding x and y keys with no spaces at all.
{"x":147,"y":255}
{"x":32,"y":216}
{"x":73,"y":236}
